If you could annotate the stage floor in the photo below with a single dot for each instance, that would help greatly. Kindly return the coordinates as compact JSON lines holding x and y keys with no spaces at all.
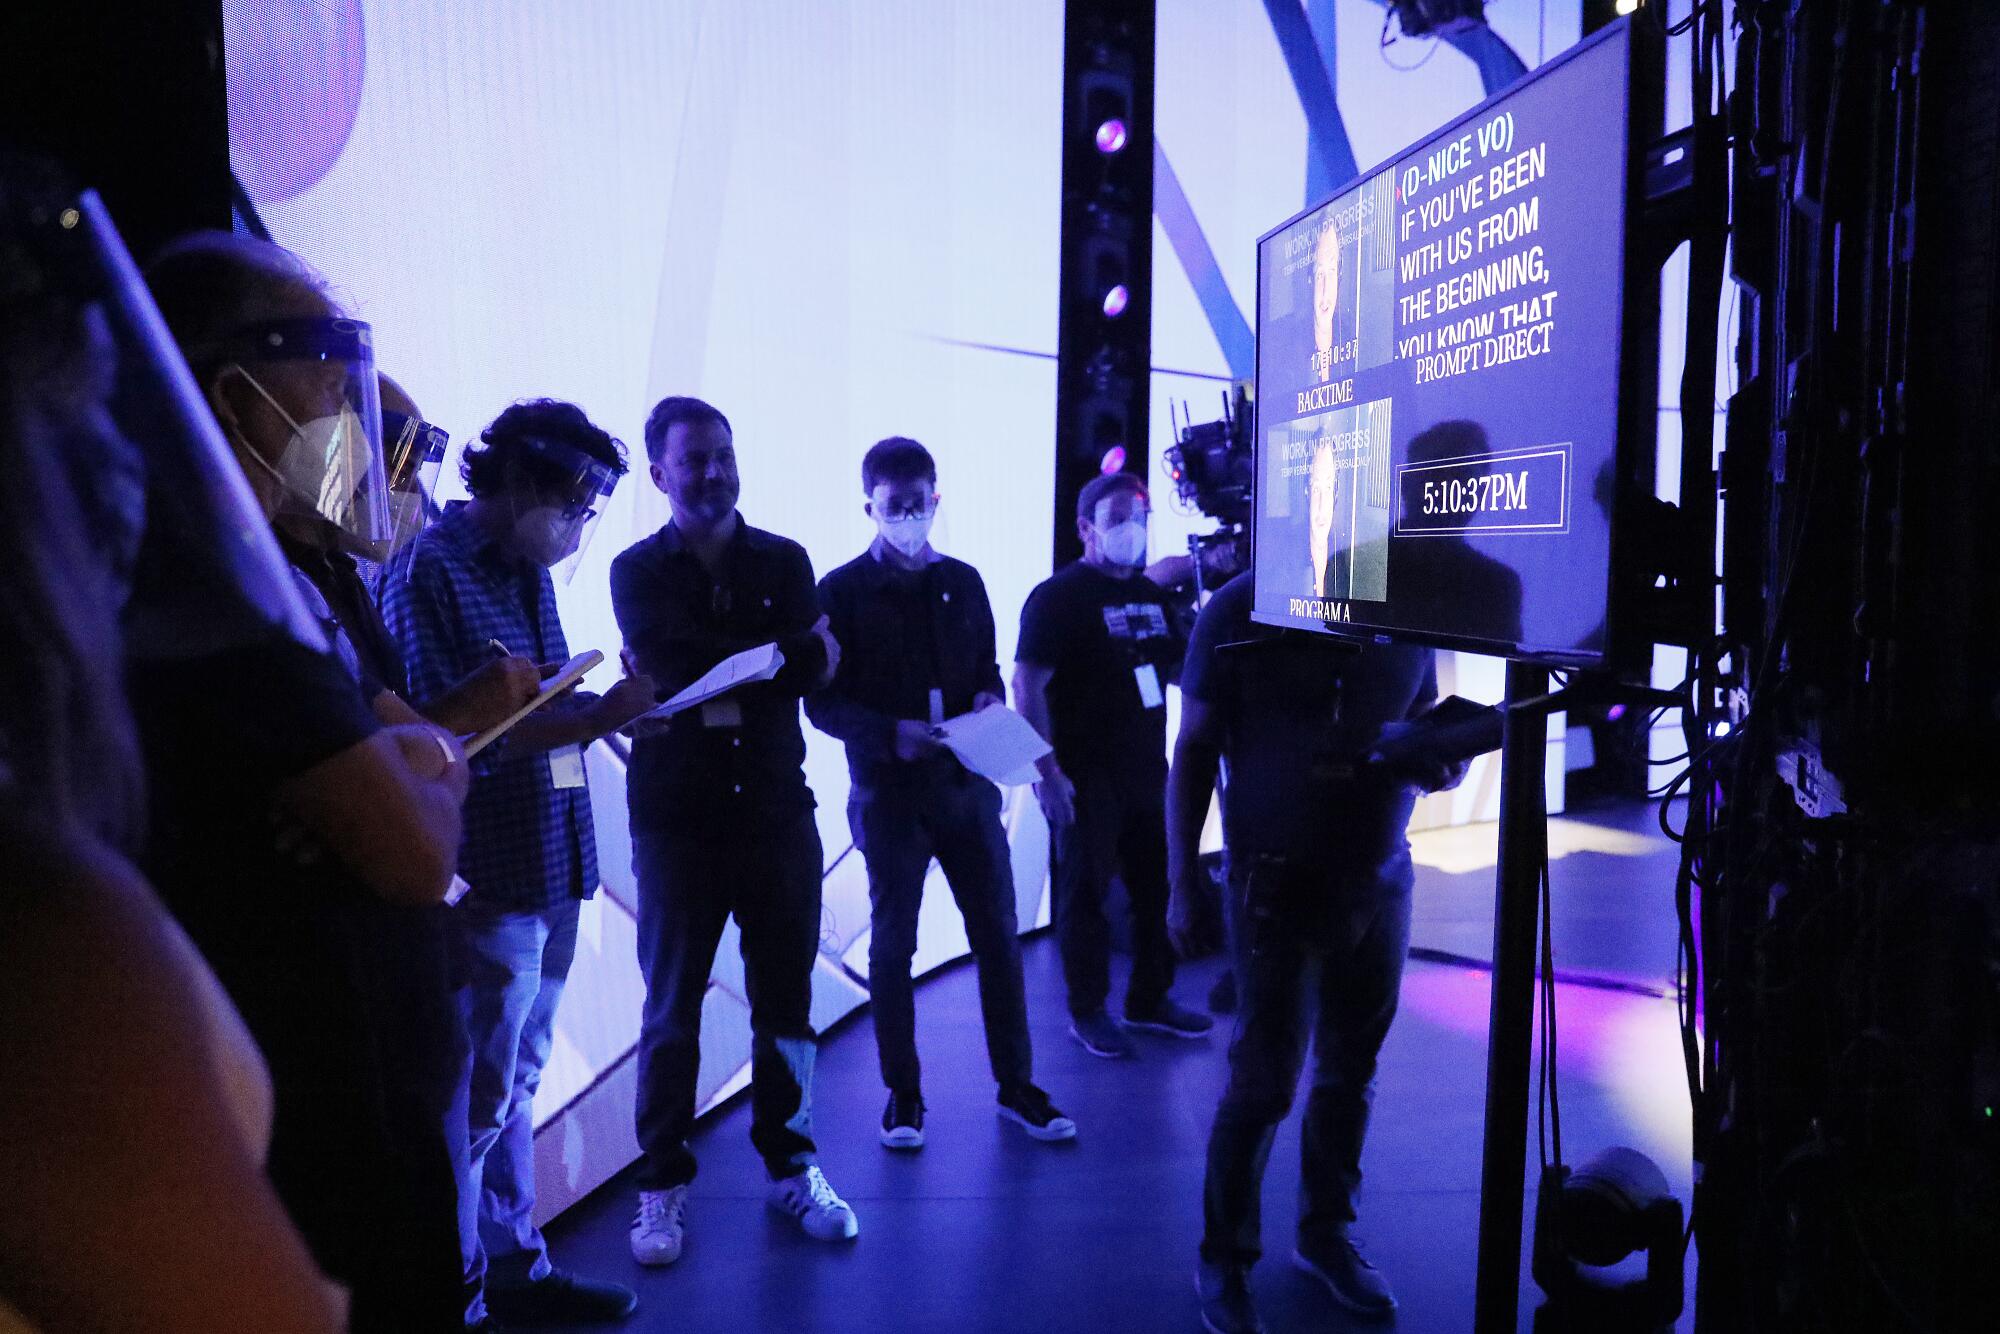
{"x":986,"y":1230}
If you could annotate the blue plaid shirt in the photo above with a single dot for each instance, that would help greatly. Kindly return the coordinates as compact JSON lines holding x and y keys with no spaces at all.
{"x":529,"y":845}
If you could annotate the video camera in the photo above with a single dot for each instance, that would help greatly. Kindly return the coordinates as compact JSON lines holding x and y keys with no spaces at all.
{"x":1213,"y":470}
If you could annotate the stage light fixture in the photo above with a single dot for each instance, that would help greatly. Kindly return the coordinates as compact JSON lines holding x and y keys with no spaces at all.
{"x":1111,"y":136}
{"x":1591,"y":1217}
{"x":1115,"y":301}
{"x":1437,"y":18}
{"x":1627,"y":6}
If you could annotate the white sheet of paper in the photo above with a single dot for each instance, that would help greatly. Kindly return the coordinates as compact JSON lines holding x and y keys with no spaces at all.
{"x":998,"y":744}
{"x":755,"y":664}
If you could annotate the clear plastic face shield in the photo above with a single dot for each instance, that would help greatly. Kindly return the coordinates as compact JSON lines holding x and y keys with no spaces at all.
{"x":556,"y":525}
{"x":205,"y":573}
{"x":313,"y":422}
{"x":413,"y":451}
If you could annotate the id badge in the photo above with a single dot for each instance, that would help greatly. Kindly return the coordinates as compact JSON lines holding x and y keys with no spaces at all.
{"x":1148,"y":678}
{"x":722,"y":713}
{"x":566,"y":767}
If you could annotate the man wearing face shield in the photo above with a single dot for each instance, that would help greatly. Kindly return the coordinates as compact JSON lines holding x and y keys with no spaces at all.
{"x":313,"y":908}
{"x":414,"y":451}
{"x":130,"y":1075}
{"x":476,"y":584}
{"x":335,"y":561}
{"x":919,"y":637}
{"x":1098,"y":647}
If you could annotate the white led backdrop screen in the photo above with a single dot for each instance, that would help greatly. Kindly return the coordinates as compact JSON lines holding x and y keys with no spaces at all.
{"x":807,"y":213}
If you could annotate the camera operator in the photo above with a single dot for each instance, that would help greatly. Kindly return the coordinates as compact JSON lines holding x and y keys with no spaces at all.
{"x":1320,"y":880}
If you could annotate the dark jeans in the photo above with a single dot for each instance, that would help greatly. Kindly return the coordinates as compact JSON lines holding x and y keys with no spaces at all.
{"x":1312,"y":966}
{"x":1120,"y":829}
{"x":350,"y":1002}
{"x":899,"y":828}
{"x":689,"y":884}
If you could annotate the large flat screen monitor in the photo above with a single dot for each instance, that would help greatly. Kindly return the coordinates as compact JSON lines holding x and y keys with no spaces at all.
{"x":1446,"y":363}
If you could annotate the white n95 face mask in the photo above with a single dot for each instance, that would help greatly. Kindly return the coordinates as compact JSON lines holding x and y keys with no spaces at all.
{"x":906,"y":535}
{"x":546,"y":537}
{"x":1124,"y":543}
{"x":325,"y":467}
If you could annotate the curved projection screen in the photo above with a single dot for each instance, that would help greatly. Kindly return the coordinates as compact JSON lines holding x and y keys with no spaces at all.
{"x":1438,"y":352}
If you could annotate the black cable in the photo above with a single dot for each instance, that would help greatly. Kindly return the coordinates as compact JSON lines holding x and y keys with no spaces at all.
{"x":1550,"y":1048}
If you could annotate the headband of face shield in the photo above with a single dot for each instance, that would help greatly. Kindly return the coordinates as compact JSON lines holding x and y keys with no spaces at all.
{"x":555,"y":528}
{"x":414,"y":451}
{"x":205,"y":572}
{"x":317,"y":377}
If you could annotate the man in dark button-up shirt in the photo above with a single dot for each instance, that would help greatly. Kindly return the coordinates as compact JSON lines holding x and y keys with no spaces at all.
{"x":919,"y":649}
{"x":722,"y":823}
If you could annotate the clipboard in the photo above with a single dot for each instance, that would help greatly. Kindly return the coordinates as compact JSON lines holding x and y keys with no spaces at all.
{"x":573,"y":671}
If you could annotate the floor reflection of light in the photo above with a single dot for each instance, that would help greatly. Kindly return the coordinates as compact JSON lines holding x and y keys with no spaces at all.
{"x":1626,"y":1045}
{"x":1462,"y":849}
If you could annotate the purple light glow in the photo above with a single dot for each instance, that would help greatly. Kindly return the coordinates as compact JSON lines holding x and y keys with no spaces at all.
{"x":1115,"y":301}
{"x":1111,"y":136}
{"x":1114,"y":460}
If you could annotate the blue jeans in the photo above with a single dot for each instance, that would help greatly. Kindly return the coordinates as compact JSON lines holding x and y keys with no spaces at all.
{"x":511,"y":970}
{"x":1318,"y":967}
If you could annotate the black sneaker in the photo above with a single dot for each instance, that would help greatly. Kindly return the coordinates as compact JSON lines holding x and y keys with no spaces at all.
{"x":903,"y":1121}
{"x":1101,"y":1037}
{"x":1226,"y":1304}
{"x":1029,"y":1108}
{"x":560,"y":1298}
{"x":1171,"y":1019}
{"x":1355,"y":1284}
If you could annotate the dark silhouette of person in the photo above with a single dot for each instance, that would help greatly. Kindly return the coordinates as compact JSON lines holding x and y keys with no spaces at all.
{"x":1441,"y":583}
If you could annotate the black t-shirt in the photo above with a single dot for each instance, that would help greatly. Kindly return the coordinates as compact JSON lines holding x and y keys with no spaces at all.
{"x":1298,"y":714}
{"x":346,"y":994}
{"x":1112,"y":646}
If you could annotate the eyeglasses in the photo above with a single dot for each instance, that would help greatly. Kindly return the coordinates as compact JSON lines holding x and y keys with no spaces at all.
{"x":897,"y":513}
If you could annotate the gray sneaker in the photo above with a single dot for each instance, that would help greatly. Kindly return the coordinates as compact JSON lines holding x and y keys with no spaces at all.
{"x":1354,"y":1283}
{"x":1171,"y":1020}
{"x":1100,"y":1036}
{"x":1226,"y":1304}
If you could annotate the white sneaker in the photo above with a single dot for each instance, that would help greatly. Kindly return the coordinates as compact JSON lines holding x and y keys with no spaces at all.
{"x":808,"y":1198}
{"x":661,"y":1226}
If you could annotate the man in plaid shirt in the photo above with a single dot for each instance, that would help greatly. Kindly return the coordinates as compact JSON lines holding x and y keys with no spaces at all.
{"x":474,"y":585}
